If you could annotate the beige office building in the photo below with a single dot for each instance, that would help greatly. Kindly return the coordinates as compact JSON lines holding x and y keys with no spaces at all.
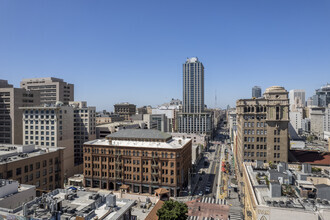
{"x":51,"y":127}
{"x":51,"y":89}
{"x":10,"y":115}
{"x":84,"y":129}
{"x":262,"y":128}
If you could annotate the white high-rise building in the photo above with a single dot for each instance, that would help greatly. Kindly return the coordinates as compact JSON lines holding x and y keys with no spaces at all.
{"x":193,"y":118}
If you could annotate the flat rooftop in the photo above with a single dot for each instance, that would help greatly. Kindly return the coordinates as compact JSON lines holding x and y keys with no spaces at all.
{"x":10,"y":153}
{"x":140,"y":134}
{"x":174,"y":143}
{"x":261,"y":192}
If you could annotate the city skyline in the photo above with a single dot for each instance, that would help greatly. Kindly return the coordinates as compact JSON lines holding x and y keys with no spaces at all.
{"x":241,"y":44}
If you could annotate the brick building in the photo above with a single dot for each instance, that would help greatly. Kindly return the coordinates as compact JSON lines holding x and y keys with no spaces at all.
{"x":42,"y":167}
{"x":143,"y":160}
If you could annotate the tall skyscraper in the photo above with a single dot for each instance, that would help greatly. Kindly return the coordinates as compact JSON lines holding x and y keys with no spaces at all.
{"x":193,"y":118}
{"x":193,"y":86}
{"x":51,"y":89}
{"x":256,"y":92}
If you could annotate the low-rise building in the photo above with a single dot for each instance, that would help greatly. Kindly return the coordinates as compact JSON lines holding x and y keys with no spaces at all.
{"x":42,"y":167}
{"x":68,"y":204}
{"x":105,"y":129}
{"x":288,"y":191}
{"x":142,"y":159}
{"x":106,"y":119}
{"x":13,"y":194}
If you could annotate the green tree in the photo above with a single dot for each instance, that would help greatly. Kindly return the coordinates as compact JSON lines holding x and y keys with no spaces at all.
{"x":173,"y":210}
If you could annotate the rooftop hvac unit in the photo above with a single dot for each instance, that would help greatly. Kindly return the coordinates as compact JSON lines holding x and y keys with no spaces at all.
{"x":111,"y":200}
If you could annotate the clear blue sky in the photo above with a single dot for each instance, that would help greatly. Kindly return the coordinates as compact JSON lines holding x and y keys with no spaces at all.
{"x":133,"y":51}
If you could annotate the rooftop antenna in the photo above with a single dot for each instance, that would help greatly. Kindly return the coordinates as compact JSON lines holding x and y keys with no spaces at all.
{"x":215,"y":99}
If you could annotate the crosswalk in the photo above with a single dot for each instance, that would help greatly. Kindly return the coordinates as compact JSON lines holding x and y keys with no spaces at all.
{"x":214,"y":201}
{"x":235,"y":215}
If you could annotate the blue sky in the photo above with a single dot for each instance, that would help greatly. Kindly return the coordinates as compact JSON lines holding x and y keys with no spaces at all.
{"x":133,"y":51}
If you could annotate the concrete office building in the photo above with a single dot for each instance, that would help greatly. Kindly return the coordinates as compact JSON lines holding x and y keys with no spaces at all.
{"x":13,"y":194}
{"x":262,"y":128}
{"x":322,"y":96}
{"x":27,"y":164}
{"x":53,"y":127}
{"x":256,"y":92}
{"x":193,"y":118}
{"x":51,"y":89}
{"x":171,"y":112}
{"x":326,"y":119}
{"x":125,"y":110}
{"x":296,"y":118}
{"x":141,"y":160}
{"x":10,"y":115}
{"x":231,"y":120}
{"x":296,"y":99}
{"x":316,"y":115}
{"x":158,"y":122}
{"x":84,"y":128}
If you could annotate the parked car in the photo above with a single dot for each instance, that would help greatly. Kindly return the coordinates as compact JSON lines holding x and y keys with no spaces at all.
{"x":200,"y":193}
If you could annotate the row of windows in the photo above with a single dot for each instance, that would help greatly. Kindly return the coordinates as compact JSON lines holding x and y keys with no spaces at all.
{"x":252,"y":117}
{"x":258,"y":139}
{"x":248,"y":146}
{"x":258,"y":124}
{"x":131,"y":153}
{"x":258,"y":154}
{"x":251,"y":131}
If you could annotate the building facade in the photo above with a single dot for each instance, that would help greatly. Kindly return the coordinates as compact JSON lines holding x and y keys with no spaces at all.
{"x":322,"y":96}
{"x":84,"y":128}
{"x":143,"y":160}
{"x":256,"y":92}
{"x":125,"y":110}
{"x":262,"y":128}
{"x":297,"y":99}
{"x":13,"y":194}
{"x":51,"y":89}
{"x":51,"y":127}
{"x":11,"y":99}
{"x":27,"y":164}
{"x":193,"y":118}
{"x":317,"y":116}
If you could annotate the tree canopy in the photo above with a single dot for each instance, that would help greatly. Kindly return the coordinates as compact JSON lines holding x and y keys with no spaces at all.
{"x":173,"y":210}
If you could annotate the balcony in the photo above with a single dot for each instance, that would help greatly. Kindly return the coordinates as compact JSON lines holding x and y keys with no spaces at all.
{"x":154,"y":182}
{"x":118,"y":162}
{"x":154,"y":165}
